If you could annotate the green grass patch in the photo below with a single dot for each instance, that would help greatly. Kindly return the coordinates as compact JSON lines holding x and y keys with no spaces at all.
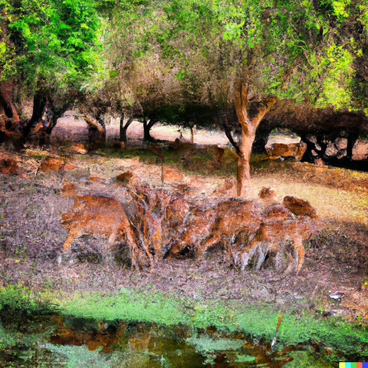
{"x":152,"y":306}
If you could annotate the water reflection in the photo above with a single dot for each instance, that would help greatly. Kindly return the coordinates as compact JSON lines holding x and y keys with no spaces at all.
{"x":63,"y":341}
{"x":149,"y":345}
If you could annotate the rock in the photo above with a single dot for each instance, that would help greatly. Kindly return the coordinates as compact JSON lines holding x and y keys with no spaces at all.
{"x":227,"y":189}
{"x":124,"y":177}
{"x":69,"y":189}
{"x":93,"y":178}
{"x":68,"y":166}
{"x":277,"y":150}
{"x":337,"y":295}
{"x":299,"y":207}
{"x":318,"y":162}
{"x":268,"y":195}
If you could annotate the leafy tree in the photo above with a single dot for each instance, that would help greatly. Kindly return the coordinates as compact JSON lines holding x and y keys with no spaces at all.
{"x":249,"y":53}
{"x":48,"y":48}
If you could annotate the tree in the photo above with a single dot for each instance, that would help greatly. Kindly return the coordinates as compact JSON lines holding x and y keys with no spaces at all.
{"x":246,"y":50}
{"x":48,"y":49}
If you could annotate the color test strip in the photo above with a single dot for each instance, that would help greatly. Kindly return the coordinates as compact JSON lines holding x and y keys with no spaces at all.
{"x":353,"y":365}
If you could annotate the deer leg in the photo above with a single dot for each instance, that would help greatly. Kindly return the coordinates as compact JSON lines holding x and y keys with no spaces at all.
{"x":279,"y":258}
{"x":147,"y":251}
{"x":112,"y":238}
{"x":262,"y":253}
{"x":290,"y":266}
{"x":248,"y":253}
{"x":176,"y":248}
{"x":299,"y":251}
{"x":156,"y":241}
{"x":131,"y":241}
{"x":67,"y":242}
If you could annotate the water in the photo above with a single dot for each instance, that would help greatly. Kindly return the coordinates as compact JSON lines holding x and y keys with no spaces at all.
{"x":82,"y":342}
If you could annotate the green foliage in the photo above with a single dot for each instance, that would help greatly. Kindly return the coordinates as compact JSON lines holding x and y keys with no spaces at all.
{"x":17,"y":350}
{"x":51,"y":43}
{"x":178,"y":60}
{"x":293,"y":49}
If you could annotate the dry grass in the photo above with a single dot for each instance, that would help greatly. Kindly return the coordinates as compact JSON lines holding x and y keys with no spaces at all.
{"x":336,"y":259}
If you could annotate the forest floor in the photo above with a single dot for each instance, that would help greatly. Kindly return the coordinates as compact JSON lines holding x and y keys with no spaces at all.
{"x":32,"y":235}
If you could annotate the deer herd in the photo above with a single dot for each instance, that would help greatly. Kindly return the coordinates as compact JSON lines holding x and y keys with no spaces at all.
{"x":157,"y":224}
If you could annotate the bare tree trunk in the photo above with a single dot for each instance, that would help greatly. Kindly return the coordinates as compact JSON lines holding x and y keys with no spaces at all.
{"x":147,"y":125}
{"x":9,"y":117}
{"x":39,"y":104}
{"x":192,"y":133}
{"x":243,"y":174}
{"x":97,"y":131}
{"x":123,"y":130}
{"x":261,"y":139}
{"x":352,"y":138}
{"x":6,"y":91}
{"x":249,"y":116}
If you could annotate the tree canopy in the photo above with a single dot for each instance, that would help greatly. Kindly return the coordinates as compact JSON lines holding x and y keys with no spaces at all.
{"x":181,"y":61}
{"x":48,"y":44}
{"x":298,"y":50}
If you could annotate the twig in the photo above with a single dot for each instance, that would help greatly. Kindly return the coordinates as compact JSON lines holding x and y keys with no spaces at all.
{"x":314,"y":292}
{"x":277,"y":330}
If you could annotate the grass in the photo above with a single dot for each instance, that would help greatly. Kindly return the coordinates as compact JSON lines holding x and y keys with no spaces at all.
{"x":338,"y":337}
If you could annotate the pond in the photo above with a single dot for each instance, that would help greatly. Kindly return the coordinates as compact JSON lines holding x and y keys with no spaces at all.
{"x":67,"y":341}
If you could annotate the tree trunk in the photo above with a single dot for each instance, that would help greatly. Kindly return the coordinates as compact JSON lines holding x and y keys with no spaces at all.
{"x":39,"y":104}
{"x":249,"y":116}
{"x":352,"y":138}
{"x":56,"y":113}
{"x":147,"y":125}
{"x":261,"y":139}
{"x":123,"y":130}
{"x":97,"y":132}
{"x":243,"y":174}
{"x":9,"y":117}
{"x":6,"y":92}
{"x":53,"y":123}
{"x":192,"y":134}
{"x":308,"y":155}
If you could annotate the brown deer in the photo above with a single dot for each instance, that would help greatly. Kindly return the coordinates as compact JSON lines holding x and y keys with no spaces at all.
{"x":102,"y":215}
{"x":293,"y":222}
